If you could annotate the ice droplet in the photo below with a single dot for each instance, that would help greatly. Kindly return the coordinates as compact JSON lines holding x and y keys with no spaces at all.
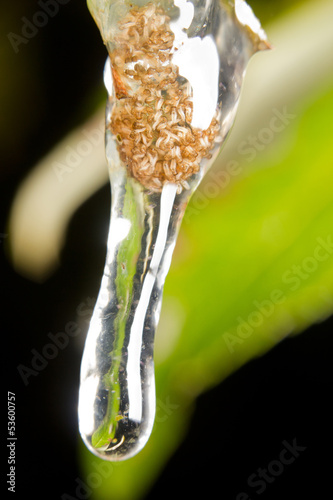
{"x":173,"y":77}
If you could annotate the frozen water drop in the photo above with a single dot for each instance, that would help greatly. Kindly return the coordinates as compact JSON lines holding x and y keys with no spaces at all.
{"x":173,"y":76}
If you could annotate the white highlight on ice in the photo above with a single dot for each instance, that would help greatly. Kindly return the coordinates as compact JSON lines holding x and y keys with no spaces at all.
{"x":135,"y":344}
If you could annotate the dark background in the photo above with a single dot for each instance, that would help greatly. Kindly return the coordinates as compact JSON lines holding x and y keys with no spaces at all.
{"x":53,"y":83}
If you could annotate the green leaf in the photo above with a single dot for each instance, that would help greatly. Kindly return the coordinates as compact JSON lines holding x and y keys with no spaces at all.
{"x":128,"y":251}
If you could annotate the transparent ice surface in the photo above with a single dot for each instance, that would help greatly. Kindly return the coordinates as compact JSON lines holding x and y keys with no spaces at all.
{"x":206,"y":46}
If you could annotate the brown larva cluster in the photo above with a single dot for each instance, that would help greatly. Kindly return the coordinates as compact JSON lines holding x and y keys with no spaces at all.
{"x":152,"y":116}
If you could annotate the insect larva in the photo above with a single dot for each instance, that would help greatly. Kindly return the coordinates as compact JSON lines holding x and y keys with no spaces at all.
{"x":159,"y":104}
{"x":166,"y":169}
{"x":173,"y":115}
{"x":137,"y":157}
{"x":119,"y":87}
{"x":185,"y":184}
{"x":181,"y":114}
{"x":161,"y":126}
{"x":159,"y":141}
{"x":173,"y":166}
{"x":157,"y":182}
{"x":177,"y":152}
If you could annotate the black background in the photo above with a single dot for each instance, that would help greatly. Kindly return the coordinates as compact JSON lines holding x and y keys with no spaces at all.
{"x":237,"y":427}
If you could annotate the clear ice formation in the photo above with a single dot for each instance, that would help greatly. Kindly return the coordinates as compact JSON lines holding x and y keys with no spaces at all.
{"x":173,"y":76}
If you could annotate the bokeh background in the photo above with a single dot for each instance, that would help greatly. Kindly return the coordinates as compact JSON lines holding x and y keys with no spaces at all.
{"x":226,"y":403}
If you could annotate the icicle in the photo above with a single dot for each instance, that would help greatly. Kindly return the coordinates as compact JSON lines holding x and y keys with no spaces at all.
{"x":174,"y":77}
